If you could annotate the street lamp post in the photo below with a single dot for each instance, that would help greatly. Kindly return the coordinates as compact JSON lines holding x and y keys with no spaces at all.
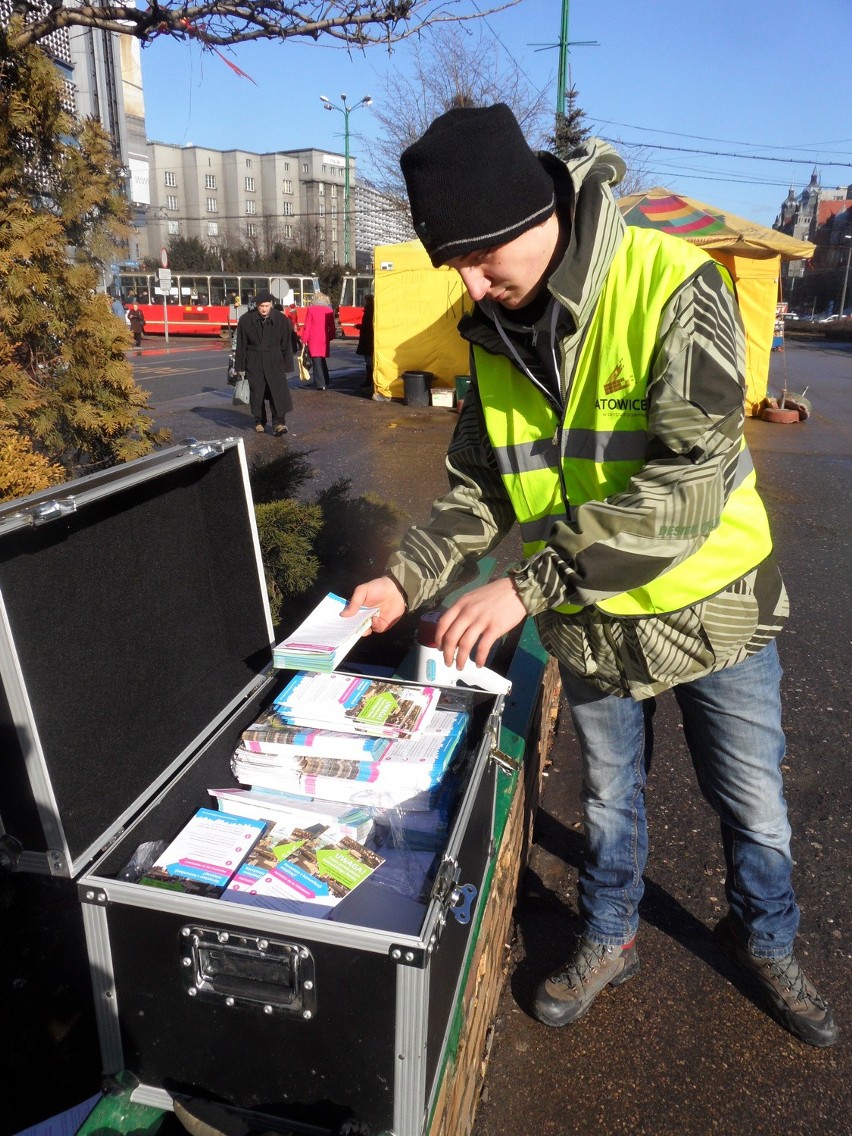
{"x":846,"y":237}
{"x":346,"y":110}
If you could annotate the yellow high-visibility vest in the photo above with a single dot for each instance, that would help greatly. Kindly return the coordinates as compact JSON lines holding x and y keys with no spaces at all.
{"x":602,"y":436}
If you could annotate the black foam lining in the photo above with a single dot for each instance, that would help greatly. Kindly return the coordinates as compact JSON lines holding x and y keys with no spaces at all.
{"x":135,"y":620}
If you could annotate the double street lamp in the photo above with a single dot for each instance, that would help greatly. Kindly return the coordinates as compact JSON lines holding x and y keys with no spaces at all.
{"x":346,"y":110}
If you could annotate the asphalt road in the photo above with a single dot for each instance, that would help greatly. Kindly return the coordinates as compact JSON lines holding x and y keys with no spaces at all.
{"x":683,"y":1050}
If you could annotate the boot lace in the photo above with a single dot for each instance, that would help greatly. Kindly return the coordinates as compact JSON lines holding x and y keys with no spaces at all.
{"x":786,"y":973}
{"x":581,"y":966}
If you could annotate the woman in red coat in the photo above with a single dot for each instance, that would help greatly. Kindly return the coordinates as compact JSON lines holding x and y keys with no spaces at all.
{"x":317,"y":334}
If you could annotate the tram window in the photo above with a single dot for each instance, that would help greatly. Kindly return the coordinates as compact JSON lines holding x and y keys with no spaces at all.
{"x":252,"y":285}
{"x":217,"y":294}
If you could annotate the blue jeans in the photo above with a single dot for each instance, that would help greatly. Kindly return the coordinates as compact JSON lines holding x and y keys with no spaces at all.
{"x":732,"y":725}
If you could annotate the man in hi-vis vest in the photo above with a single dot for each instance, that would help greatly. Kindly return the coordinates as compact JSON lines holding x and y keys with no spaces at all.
{"x":605,"y":417}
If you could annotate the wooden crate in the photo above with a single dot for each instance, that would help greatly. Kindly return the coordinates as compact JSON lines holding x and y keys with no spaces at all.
{"x":464,"y":1072}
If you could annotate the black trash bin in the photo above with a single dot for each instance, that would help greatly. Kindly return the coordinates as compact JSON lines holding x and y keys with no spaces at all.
{"x":416,"y":386}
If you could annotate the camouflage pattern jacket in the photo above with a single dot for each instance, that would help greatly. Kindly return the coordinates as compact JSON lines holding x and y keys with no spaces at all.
{"x":695,"y":424}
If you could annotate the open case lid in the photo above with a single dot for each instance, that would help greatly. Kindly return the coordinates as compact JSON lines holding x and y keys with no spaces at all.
{"x":133,"y":618}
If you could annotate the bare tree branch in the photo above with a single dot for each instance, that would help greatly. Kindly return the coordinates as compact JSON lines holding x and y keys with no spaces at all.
{"x":448,"y":70}
{"x":357,"y":23}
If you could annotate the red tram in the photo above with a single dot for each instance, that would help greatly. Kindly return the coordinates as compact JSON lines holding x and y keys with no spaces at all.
{"x":208,"y":303}
{"x":351,"y":308}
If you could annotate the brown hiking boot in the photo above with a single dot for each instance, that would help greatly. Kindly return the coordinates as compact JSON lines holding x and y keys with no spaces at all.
{"x":569,"y":992}
{"x":792,"y":999}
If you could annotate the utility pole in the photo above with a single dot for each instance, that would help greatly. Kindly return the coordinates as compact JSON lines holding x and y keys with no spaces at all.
{"x":562,"y":82}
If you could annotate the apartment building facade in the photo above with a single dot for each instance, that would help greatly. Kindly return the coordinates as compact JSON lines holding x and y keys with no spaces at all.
{"x":241,"y":198}
{"x":379,"y":220}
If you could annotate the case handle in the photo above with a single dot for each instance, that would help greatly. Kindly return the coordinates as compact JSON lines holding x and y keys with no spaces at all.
{"x":272,"y":975}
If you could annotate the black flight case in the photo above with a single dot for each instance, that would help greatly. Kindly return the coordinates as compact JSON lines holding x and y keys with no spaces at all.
{"x":135,"y":646}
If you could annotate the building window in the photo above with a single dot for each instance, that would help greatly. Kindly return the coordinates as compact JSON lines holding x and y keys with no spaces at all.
{"x":334,"y":191}
{"x":321,"y":188}
{"x":288,"y":185}
{"x":212,"y":205}
{"x":169,"y":178}
{"x":249,"y":185}
{"x":251,"y":207}
{"x":248,"y":163}
{"x":174,"y":228}
{"x":251,"y":230}
{"x":306,"y":169}
{"x":171,"y":202}
{"x":321,"y":209}
{"x":288,"y":231}
{"x":288,"y":208}
{"x":209,"y":181}
{"x":287,"y":167}
{"x":212,"y":228}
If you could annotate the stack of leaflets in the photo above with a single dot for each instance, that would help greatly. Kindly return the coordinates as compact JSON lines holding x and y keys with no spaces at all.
{"x":408,"y":771}
{"x":356,"y":704}
{"x":205,"y":854}
{"x":301,"y":871}
{"x":272,"y":734}
{"x":295,"y":810}
{"x":324,"y":638}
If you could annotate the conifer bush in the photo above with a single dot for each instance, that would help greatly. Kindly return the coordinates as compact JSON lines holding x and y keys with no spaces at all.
{"x":67,"y":392}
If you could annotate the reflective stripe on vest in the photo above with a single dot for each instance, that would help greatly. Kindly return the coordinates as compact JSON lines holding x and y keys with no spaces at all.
{"x":604,"y":431}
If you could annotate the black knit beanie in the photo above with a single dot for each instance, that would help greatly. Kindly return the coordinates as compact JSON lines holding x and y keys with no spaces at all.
{"x":473,"y":182}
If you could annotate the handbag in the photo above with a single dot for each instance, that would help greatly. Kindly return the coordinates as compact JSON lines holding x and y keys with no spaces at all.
{"x":242,"y":392}
{"x":304,"y":373}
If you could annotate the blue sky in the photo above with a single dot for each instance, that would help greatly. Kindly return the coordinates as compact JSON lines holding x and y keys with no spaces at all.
{"x":752,"y":78}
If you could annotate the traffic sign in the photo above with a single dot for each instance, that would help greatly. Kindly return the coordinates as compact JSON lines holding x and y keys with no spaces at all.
{"x":164,"y":257}
{"x":165,"y":279}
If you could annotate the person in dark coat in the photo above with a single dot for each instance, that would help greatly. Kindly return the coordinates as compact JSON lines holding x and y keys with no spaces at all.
{"x":136,"y":319}
{"x":366,"y":337}
{"x":264,"y":354}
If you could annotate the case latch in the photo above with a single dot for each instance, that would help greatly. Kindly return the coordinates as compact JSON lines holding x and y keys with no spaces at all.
{"x":50,"y":510}
{"x":498,"y":756}
{"x":204,"y":450}
{"x":454,"y":897}
{"x":271,"y":975}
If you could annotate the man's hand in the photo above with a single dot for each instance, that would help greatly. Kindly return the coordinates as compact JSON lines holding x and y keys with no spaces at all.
{"x":382,"y":593}
{"x":478,"y":620}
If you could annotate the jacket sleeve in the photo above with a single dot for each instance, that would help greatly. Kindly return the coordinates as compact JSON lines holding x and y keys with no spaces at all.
{"x":695,"y":425}
{"x":467,"y":521}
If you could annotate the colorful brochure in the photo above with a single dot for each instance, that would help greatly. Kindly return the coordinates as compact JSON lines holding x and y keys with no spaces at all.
{"x":356,"y":704}
{"x":205,"y":853}
{"x":302,"y":871}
